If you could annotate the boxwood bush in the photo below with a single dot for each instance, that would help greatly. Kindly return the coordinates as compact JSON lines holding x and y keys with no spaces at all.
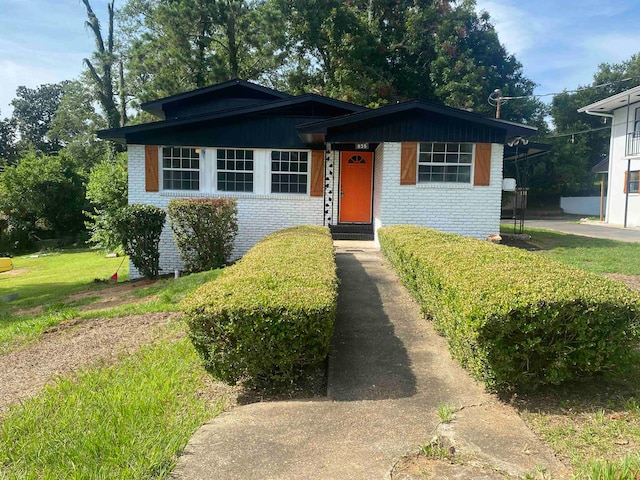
{"x":204,"y":230}
{"x":269,"y":318}
{"x":511,"y":317}
{"x":138,"y":228}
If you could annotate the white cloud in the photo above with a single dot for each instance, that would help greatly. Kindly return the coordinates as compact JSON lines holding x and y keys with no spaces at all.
{"x":611,"y":47}
{"x":517,"y":28}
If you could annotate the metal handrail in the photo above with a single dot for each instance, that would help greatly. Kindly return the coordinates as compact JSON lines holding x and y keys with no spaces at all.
{"x":633,"y":144}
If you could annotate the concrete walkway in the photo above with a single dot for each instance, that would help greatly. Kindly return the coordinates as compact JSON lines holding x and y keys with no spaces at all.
{"x":588,"y":229}
{"x":388,"y":372}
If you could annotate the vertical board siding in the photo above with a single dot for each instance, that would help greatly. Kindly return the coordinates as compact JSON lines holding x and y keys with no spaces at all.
{"x":409,"y":163}
{"x":151,"y":181}
{"x":482,"y":168}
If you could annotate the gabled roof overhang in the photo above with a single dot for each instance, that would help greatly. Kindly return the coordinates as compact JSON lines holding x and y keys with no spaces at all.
{"x":286,"y":105}
{"x":614,"y":102}
{"x":157,"y":107}
{"x":331,"y":129}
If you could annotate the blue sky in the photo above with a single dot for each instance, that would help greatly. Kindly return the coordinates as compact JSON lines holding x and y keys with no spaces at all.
{"x":560,"y":43}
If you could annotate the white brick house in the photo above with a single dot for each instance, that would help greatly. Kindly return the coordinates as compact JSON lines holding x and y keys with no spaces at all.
{"x":623,"y":193}
{"x":309,"y":159}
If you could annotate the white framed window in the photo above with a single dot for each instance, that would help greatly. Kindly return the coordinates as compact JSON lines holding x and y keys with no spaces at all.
{"x":445,"y":162}
{"x":234,"y":170}
{"x":289,"y":171}
{"x":180,"y":168}
{"x":634,"y":181}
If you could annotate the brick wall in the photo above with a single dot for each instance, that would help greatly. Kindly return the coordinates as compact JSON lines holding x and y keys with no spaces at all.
{"x":258,"y":215}
{"x":462,"y":209}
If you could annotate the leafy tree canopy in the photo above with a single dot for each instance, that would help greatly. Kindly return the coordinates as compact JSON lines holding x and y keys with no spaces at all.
{"x":8,"y":147}
{"x":567,"y":170}
{"x":33,"y":112}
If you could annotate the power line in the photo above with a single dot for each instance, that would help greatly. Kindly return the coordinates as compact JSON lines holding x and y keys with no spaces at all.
{"x":581,"y":131}
{"x":494,"y":98}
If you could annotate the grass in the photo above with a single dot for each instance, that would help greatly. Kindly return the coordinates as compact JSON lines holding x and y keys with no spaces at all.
{"x":54,"y":275}
{"x":130,"y":420}
{"x":445,"y":412}
{"x":593,"y":425}
{"x":164,"y":296}
{"x":591,"y":254}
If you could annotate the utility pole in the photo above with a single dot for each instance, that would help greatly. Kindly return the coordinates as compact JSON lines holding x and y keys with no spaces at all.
{"x":495,"y":99}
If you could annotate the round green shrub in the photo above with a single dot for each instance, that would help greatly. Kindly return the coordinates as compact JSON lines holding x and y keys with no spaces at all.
{"x":139,"y":228}
{"x":204,"y":231}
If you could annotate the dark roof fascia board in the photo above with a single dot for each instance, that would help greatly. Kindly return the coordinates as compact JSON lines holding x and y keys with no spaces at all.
{"x":321,"y":127}
{"x":121,"y":132}
{"x":159,"y":103}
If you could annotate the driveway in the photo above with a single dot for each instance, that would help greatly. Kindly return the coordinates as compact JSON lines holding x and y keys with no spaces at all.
{"x":595,"y":230}
{"x":388,"y":373}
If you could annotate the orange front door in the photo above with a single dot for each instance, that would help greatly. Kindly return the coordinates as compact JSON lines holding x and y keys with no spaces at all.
{"x":356,"y":175}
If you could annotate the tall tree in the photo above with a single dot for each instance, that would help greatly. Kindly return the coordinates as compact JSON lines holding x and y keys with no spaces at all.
{"x":580,"y":141}
{"x":33,"y":112}
{"x":42,"y":194}
{"x":334,"y":51}
{"x":8,"y":148}
{"x":176,"y":45}
{"x":375,"y":52}
{"x":101,"y":68}
{"x":74,"y":126}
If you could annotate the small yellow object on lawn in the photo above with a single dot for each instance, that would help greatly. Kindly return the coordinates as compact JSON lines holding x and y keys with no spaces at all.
{"x":5,"y":264}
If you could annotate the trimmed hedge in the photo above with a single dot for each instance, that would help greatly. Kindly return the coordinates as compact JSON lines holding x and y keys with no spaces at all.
{"x":204,"y":230}
{"x":269,"y":318}
{"x":513,"y":318}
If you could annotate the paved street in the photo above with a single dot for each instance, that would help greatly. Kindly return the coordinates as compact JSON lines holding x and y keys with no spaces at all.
{"x":587,"y":229}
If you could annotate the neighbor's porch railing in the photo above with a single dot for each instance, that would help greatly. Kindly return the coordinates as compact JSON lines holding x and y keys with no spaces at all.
{"x":633,"y":144}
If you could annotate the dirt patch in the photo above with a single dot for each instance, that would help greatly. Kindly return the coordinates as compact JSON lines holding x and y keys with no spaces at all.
{"x":15,"y":271}
{"x":107,"y":297}
{"x":631,"y":281}
{"x":73,"y":345}
{"x":418,"y":466}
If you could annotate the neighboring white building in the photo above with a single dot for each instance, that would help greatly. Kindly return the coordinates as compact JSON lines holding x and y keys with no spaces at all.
{"x":309,"y":159}
{"x":623,"y":194}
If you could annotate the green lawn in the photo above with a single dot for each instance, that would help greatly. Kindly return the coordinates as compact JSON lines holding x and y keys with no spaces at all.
{"x":164,"y":296}
{"x":592,"y":254}
{"x":128,"y":420}
{"x":52,"y":276}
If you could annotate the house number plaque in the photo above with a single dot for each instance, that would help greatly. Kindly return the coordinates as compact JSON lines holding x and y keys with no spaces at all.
{"x":362,"y":146}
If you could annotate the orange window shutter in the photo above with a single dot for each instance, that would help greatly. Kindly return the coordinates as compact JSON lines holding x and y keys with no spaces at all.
{"x":626,"y":182}
{"x":482,"y":167}
{"x":408,"y":163}
{"x":151,"y":168}
{"x":317,"y":173}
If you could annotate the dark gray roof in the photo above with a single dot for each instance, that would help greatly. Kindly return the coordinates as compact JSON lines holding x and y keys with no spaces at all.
{"x":601,"y":167}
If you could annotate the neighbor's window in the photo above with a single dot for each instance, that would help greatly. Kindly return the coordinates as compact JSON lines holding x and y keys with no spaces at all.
{"x":235,"y":170}
{"x":180,"y":168}
{"x":634,"y":182}
{"x":289,"y":172}
{"x":445,"y":162}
